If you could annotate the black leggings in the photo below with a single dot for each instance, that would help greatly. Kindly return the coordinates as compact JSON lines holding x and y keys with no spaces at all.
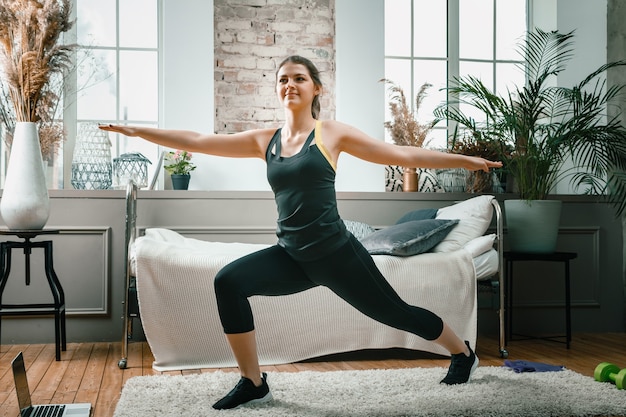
{"x":349,"y":272}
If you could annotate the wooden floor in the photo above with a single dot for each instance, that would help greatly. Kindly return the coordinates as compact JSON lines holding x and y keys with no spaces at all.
{"x":88,"y":372}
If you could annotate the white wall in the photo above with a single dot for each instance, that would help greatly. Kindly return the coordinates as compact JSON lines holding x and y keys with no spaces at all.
{"x":360,"y":60}
{"x":187,"y":84}
{"x":590,"y":47}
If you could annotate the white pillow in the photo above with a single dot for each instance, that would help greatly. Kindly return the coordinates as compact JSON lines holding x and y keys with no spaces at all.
{"x":486,"y":265}
{"x":474,"y":217}
{"x":480,"y":245}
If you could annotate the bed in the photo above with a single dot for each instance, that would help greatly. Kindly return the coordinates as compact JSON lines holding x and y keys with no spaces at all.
{"x":169,"y":286}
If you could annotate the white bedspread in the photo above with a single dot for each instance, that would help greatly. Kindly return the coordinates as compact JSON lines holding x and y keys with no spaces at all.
{"x":179,"y":314}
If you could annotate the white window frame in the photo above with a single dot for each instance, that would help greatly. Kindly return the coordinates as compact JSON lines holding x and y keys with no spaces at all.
{"x":453,"y":51}
{"x":70,"y":113}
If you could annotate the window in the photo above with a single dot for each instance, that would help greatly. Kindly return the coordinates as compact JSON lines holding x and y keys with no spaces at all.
{"x":437,"y":40}
{"x":117,"y":77}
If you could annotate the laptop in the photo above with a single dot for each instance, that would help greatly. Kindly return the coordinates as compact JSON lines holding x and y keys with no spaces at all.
{"x":47,"y":410}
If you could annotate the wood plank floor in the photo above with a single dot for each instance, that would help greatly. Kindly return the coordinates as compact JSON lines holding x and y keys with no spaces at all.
{"x":88,"y":372}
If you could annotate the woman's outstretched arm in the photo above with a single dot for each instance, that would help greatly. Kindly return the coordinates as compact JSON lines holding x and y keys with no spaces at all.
{"x":248,"y":144}
{"x":340,"y":137}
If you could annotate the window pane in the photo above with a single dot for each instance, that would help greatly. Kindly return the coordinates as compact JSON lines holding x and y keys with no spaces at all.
{"x":476,"y":29}
{"x":96,"y":85}
{"x":398,"y":27}
{"x":480,"y":43}
{"x":510,"y":28}
{"x":482,"y":71}
{"x":398,"y":71}
{"x":430,"y":28}
{"x":95,"y":22}
{"x":508,"y":78}
{"x":437,"y":138}
{"x":434,"y":73}
{"x":138,"y":24}
{"x":138,"y":85}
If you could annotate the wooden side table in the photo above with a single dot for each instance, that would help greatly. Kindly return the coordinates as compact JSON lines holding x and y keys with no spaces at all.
{"x":57,"y":307}
{"x":565,"y":258}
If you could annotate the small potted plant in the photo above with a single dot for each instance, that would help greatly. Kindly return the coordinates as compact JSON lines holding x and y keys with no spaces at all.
{"x":178,"y":165}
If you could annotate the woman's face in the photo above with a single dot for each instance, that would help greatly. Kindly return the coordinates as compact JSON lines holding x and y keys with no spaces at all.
{"x":295,"y":87}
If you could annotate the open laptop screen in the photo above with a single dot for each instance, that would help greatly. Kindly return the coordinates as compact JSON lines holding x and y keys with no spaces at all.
{"x":21,"y":383}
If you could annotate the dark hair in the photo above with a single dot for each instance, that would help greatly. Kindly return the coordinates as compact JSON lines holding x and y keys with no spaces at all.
{"x":315,"y":76}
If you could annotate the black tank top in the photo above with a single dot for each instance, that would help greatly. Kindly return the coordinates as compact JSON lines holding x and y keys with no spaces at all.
{"x":308,"y":225}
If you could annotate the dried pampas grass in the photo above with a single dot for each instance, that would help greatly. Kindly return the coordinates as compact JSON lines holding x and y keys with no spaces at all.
{"x":30,"y":53}
{"x":32,"y":59}
{"x":404,"y":128}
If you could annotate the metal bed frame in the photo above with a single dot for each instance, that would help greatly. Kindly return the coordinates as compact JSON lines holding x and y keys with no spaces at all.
{"x":500,"y":275}
{"x":131,"y":306}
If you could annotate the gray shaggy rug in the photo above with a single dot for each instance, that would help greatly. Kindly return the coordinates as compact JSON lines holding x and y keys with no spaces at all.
{"x":493,"y":391}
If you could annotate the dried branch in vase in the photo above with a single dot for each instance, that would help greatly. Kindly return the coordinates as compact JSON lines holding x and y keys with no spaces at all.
{"x":34,"y":67}
{"x":30,"y":53}
{"x":404,"y":128}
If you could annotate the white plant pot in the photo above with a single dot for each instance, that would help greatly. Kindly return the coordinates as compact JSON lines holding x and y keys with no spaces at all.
{"x":25,"y":204}
{"x":532,"y":226}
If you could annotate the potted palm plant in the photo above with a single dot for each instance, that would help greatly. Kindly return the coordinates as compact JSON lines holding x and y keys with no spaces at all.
{"x":546,"y":126}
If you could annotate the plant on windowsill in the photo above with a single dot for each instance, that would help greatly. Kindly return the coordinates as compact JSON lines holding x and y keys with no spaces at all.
{"x":178,"y":165}
{"x":546,"y":126}
{"x":480,"y":181}
{"x":404,"y":128}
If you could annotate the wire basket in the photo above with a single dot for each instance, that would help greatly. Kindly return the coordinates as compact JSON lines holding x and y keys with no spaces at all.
{"x":91,"y":162}
{"x":131,"y":166}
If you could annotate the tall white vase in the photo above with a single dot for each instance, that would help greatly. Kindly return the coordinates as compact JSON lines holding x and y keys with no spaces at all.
{"x":25,"y":204}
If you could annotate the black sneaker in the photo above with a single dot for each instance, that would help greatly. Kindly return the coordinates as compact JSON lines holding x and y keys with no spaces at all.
{"x":245,"y":392}
{"x":461,"y":367}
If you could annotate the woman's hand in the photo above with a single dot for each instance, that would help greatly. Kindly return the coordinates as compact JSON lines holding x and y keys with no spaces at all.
{"x":124,"y":130}
{"x":475,"y":163}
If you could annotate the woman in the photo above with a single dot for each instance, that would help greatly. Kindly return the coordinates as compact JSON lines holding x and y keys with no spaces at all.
{"x":314,"y":248}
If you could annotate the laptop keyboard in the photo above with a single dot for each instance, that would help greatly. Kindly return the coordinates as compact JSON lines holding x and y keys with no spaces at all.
{"x":47,"y":411}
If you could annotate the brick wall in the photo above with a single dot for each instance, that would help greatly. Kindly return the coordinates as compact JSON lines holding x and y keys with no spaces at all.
{"x":252,"y":37}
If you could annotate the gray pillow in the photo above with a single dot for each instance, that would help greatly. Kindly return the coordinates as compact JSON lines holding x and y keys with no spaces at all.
{"x":409,"y":238}
{"x":422,"y":214}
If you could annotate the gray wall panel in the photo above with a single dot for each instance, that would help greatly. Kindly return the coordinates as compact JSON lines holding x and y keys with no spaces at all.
{"x":89,"y":255}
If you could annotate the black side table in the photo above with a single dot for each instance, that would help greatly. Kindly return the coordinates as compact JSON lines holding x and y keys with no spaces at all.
{"x":57,"y":307}
{"x":565,"y":258}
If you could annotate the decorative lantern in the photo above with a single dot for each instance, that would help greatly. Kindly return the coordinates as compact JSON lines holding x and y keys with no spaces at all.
{"x":91,"y":162}
{"x":131,"y":166}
